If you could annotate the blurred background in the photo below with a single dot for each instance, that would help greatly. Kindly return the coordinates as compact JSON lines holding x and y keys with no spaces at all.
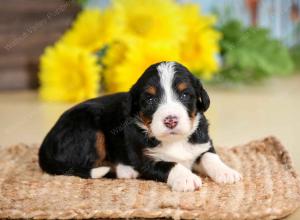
{"x":54,"y":54}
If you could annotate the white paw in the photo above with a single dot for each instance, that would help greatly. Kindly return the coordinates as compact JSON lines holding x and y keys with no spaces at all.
{"x":217,"y":170}
{"x":126,"y":172}
{"x":99,"y":172}
{"x":225,"y":175}
{"x":183,"y":180}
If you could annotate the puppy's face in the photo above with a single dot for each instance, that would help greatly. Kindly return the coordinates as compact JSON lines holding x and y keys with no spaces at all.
{"x":168,"y":101}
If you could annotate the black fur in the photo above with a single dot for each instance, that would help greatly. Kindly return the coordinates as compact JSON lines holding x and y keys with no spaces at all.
{"x":70,"y":146}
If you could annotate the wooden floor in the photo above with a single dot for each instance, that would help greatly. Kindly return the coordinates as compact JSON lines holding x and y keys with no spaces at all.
{"x":237,"y":115}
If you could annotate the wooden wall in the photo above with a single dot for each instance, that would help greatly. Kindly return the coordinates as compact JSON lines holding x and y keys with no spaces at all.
{"x":281,"y":17}
{"x":26,"y":27}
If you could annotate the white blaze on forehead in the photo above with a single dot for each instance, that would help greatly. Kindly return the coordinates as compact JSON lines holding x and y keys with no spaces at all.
{"x":170,"y":105}
{"x":166,"y":73}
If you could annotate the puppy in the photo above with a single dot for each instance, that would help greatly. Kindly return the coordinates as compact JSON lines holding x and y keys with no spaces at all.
{"x":156,"y":131}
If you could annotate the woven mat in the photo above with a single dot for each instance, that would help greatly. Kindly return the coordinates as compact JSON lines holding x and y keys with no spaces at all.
{"x":270,"y":190}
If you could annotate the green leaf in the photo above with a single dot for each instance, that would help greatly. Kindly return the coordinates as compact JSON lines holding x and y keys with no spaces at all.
{"x":251,"y":54}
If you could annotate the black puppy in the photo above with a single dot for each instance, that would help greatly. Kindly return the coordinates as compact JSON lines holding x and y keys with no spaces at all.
{"x":155,"y":131}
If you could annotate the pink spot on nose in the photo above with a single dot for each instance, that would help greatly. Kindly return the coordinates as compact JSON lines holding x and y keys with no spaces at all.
{"x":171,"y":121}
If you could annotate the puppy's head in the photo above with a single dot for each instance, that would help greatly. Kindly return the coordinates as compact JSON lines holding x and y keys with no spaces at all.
{"x":168,"y":101}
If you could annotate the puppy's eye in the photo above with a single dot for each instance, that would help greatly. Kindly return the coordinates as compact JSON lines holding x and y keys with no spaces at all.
{"x":150,"y":99}
{"x":185,"y":96}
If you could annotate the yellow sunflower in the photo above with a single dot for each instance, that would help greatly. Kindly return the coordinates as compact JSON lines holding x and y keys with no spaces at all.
{"x":92,"y":29}
{"x":116,"y":55}
{"x":137,"y":34}
{"x":68,"y":73}
{"x":135,"y":60}
{"x":150,"y":20}
{"x":199,"y":50}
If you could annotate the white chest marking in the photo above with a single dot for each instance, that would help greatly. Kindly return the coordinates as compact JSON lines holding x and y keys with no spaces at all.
{"x":181,"y":152}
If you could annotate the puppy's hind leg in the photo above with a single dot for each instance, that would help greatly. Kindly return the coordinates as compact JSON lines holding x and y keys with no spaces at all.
{"x":126,"y":172}
{"x":99,"y":172}
{"x":100,"y":169}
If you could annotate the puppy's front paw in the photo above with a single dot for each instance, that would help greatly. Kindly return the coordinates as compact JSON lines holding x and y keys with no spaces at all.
{"x":217,"y":170}
{"x":182,"y":179}
{"x":225,"y":174}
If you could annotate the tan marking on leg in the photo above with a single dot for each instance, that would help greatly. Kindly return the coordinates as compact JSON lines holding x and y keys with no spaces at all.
{"x":100,"y":148}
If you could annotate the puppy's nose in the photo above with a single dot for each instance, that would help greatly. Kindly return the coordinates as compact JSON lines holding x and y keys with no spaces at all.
{"x":171,"y":121}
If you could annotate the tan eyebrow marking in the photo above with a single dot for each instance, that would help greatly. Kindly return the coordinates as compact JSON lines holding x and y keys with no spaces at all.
{"x":151,"y":90}
{"x":182,"y":86}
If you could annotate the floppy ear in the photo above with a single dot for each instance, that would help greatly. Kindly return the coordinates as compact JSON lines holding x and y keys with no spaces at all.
{"x":203,"y":100}
{"x":132,"y":103}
